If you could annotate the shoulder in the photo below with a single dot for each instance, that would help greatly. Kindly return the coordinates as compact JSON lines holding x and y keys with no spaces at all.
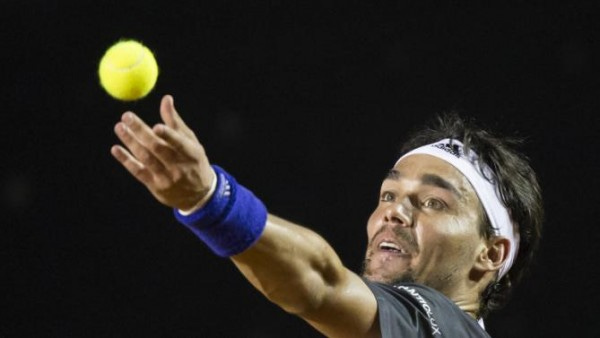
{"x":412,"y":309}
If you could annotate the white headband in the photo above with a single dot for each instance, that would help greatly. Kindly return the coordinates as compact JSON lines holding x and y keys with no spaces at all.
{"x":452,"y":151}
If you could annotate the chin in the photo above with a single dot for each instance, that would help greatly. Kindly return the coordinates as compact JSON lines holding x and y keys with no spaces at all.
{"x":384,"y":275}
{"x":375,"y":278}
{"x":405,"y":277}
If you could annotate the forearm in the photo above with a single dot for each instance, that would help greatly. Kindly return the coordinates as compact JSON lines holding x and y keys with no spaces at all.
{"x":292,"y":266}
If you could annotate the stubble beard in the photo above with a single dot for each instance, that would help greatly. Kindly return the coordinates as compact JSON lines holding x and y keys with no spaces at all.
{"x":400,"y":277}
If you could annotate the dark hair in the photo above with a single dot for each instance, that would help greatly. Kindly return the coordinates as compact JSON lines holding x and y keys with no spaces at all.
{"x":518,"y":186}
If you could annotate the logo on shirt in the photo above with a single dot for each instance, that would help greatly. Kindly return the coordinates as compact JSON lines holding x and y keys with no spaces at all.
{"x":435,"y":329}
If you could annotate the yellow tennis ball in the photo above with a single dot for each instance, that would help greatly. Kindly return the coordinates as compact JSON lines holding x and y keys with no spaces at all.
{"x":128,"y":70}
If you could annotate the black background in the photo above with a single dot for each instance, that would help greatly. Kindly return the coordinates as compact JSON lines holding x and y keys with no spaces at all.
{"x":305,"y":104}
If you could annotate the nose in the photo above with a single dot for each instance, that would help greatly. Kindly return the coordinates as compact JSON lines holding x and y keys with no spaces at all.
{"x":398,"y":214}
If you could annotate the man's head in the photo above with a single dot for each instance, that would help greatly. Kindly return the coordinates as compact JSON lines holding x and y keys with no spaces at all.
{"x":431,"y":227}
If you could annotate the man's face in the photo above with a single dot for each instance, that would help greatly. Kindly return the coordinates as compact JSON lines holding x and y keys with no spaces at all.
{"x":426,"y":226}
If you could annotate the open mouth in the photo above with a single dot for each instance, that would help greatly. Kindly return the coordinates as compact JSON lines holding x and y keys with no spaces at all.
{"x":391,"y":247}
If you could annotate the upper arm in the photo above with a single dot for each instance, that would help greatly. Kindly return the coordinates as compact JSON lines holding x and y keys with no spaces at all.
{"x":349,"y":309}
{"x":299,"y":271}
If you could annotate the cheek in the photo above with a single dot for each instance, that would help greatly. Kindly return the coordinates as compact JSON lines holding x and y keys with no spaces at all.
{"x":374,"y":221}
{"x":456,"y":226}
{"x":448,"y":244}
{"x":372,"y":224}
{"x":449,"y":238}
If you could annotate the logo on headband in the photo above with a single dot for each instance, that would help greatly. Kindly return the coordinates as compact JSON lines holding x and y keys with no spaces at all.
{"x":453,"y":149}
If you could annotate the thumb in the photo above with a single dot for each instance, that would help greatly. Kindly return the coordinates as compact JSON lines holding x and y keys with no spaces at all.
{"x":169,"y":114}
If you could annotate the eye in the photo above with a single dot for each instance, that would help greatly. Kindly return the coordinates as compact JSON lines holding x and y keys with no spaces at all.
{"x":434,"y":203}
{"x":386,"y":196}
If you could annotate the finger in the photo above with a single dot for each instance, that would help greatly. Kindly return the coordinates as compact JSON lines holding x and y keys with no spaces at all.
{"x":139,"y":150}
{"x":139,"y":129}
{"x":148,"y":138}
{"x":179,"y":142}
{"x":135,"y":167}
{"x":171,"y":117}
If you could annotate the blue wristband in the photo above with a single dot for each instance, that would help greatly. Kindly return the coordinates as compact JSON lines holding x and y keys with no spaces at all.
{"x":231,"y":221}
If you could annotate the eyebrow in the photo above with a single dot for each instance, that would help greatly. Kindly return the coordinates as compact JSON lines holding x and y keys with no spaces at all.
{"x":428,"y":179}
{"x":393,"y":174}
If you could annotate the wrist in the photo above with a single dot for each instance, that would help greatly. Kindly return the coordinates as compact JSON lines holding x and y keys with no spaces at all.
{"x":231,"y":220}
{"x":205,"y":198}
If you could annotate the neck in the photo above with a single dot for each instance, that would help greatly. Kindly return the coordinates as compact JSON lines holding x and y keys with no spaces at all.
{"x":468,"y":302}
{"x":467,"y":296}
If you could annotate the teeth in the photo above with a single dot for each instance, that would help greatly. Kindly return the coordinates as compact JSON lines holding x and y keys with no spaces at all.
{"x":388,"y":246}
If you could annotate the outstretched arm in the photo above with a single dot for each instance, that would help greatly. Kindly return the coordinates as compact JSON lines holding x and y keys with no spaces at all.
{"x":291,"y":265}
{"x":297,"y":269}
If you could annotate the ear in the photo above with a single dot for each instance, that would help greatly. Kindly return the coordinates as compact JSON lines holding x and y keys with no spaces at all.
{"x":493,"y":254}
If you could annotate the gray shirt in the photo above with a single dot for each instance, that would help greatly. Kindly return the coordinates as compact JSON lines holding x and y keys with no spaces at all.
{"x":414,"y":310}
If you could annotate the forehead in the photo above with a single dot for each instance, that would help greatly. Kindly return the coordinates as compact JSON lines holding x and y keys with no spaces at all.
{"x":417,"y":166}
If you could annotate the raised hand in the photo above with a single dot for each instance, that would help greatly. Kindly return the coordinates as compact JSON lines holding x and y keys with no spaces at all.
{"x":167,"y":158}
